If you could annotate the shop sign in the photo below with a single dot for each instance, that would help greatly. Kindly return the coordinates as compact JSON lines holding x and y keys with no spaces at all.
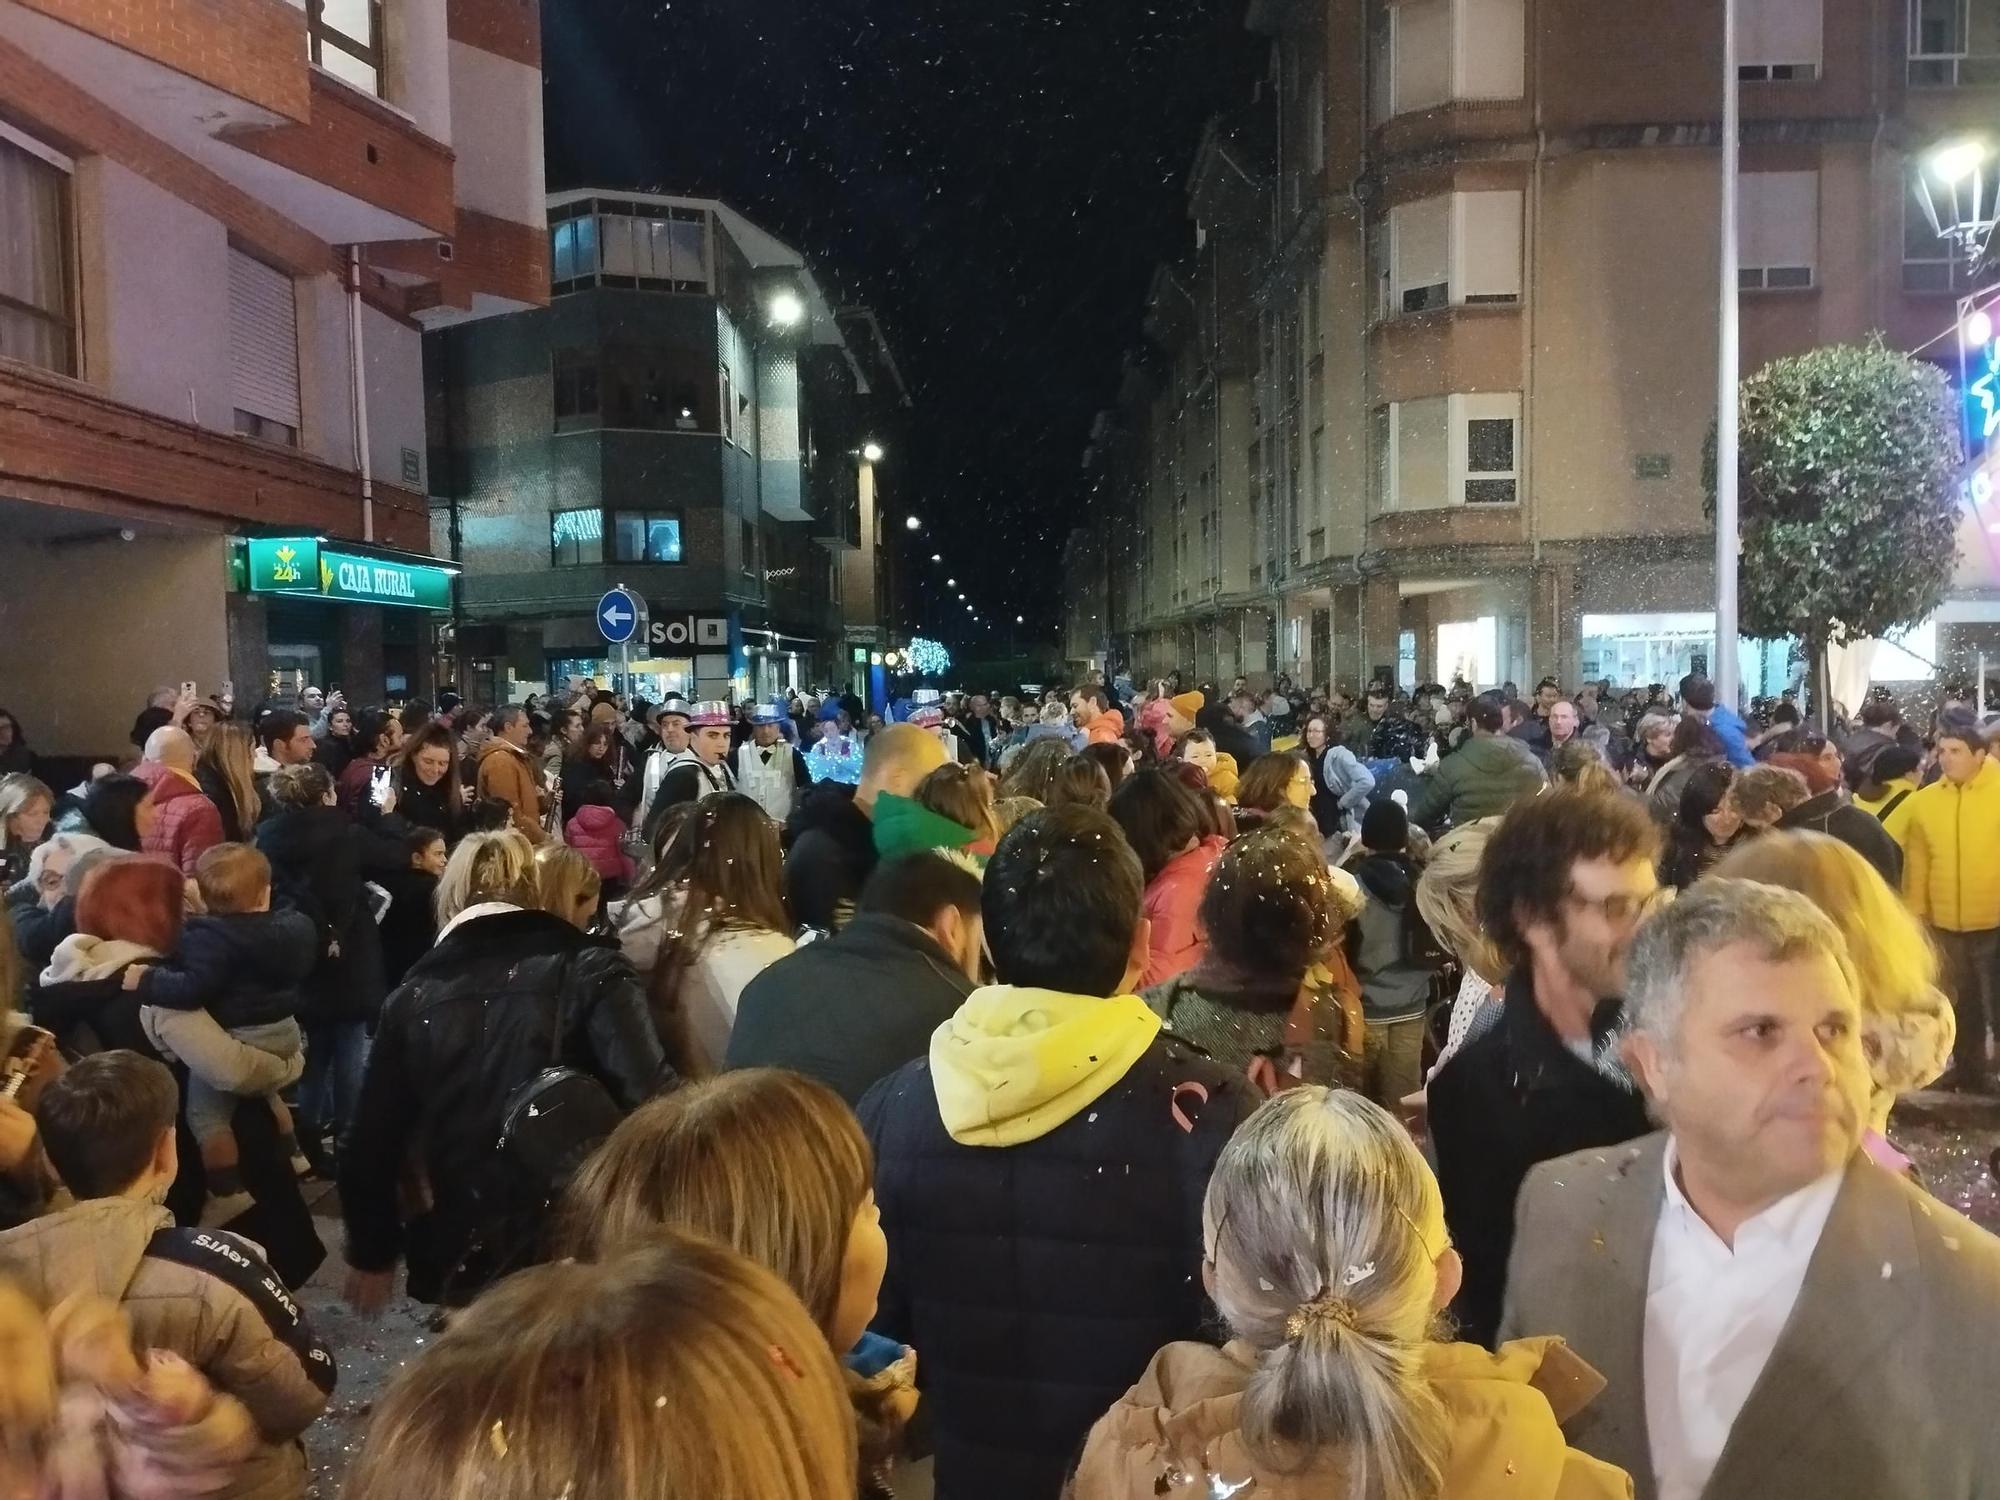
{"x":666,"y":629}
{"x":304,"y":565}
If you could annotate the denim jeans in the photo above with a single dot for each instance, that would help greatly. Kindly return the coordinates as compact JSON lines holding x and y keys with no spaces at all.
{"x":1969,"y":962}
{"x":335,"y":1053}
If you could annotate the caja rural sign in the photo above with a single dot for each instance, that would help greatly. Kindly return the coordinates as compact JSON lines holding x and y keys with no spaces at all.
{"x":305,"y":565}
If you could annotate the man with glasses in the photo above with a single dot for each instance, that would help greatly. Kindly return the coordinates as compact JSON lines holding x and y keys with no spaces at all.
{"x":1562,"y":888}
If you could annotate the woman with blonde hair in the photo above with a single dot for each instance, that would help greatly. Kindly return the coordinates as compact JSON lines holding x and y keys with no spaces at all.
{"x":25,"y":806}
{"x":1327,"y":1255}
{"x":508,"y":991}
{"x":774,"y":1165}
{"x":709,"y":919}
{"x":1448,"y":901}
{"x":1907,"y":1024}
{"x":568,"y":886}
{"x":224,"y":771}
{"x":680,"y":1372}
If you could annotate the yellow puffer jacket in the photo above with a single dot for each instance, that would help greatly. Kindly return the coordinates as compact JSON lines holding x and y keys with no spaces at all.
{"x":1951,"y":853}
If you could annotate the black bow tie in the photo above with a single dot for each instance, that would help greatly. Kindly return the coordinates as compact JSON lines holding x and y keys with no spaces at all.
{"x":767,"y":756}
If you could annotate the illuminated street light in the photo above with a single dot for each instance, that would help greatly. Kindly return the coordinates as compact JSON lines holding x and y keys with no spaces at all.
{"x":872,"y":452}
{"x":937,"y":557}
{"x":913,"y":523}
{"x":952,"y":583}
{"x":1019,"y":620}
{"x":786,"y":309}
{"x":1958,"y":190}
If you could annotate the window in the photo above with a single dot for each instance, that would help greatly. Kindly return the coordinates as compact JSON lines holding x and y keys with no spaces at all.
{"x":573,"y":249}
{"x":728,"y":406}
{"x":1954,"y":43}
{"x":263,"y":350}
{"x":1444,"y":51}
{"x":654,"y":388}
{"x":1446,"y":451}
{"x":576,"y":399}
{"x":1456,"y":248}
{"x":576,"y":536}
{"x":345,"y":38}
{"x":668,"y":250}
{"x":646,"y":537}
{"x":1489,"y":429}
{"x":1778,"y":41}
{"x":1778,"y":230}
{"x":750,"y":548}
{"x":37,"y":323}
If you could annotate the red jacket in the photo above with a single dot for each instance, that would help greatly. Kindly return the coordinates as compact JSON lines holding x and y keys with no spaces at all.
{"x":1173,"y":906}
{"x":185,"y":822}
{"x":594,"y":833}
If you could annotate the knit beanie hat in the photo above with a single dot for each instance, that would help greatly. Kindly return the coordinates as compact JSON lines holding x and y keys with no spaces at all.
{"x":1385,"y":828}
{"x":1189,"y":704}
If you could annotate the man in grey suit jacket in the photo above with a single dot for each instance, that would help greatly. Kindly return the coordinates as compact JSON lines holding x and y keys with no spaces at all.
{"x":1776,"y":1316}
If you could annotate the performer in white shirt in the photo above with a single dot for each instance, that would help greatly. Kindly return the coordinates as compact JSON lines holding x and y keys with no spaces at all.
{"x":1776,"y":1315}
{"x":769,"y":770}
{"x":670,"y":720}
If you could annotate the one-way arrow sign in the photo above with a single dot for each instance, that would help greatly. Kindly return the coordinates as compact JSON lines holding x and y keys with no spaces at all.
{"x":618,"y":616}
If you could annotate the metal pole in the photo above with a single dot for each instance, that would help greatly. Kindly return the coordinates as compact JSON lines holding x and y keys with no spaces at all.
{"x":1723,"y":669}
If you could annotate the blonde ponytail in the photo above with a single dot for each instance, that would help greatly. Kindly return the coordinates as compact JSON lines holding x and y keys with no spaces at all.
{"x":1324,"y":1228}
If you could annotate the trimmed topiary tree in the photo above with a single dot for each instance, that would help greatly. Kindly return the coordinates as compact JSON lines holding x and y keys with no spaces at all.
{"x":1848,"y":500}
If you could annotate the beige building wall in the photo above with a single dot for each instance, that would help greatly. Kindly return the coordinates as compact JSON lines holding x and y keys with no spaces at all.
{"x":156,"y":603}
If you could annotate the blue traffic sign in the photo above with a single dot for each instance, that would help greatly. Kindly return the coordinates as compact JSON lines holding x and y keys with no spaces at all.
{"x":618,"y":616}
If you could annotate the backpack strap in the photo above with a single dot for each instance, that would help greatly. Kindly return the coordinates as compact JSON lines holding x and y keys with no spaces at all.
{"x":231,"y":1260}
{"x":1892,"y":804}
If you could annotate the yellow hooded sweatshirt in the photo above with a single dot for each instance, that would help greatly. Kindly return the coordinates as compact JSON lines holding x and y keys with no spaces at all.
{"x":1014,"y":1063}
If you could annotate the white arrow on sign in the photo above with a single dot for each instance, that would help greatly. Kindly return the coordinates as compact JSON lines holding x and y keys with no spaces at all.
{"x":613,"y":615}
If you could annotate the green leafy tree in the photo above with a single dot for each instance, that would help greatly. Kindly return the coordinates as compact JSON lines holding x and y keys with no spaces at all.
{"x":1848,"y":496}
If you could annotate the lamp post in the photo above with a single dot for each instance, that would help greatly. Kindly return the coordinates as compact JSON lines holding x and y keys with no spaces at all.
{"x":1728,"y":544}
{"x":1956,"y":185}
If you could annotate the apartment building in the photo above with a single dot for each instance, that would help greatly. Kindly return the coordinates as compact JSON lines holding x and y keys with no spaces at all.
{"x":691,"y":417}
{"x":1482,"y":318}
{"x":224,"y":225}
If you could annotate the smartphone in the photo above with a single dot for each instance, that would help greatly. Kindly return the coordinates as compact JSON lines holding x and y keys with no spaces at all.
{"x":229,"y":692}
{"x":187,"y":690}
{"x":379,"y":785}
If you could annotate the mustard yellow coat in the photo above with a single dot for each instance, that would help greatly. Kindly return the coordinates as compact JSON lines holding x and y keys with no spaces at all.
{"x":1178,"y":1430}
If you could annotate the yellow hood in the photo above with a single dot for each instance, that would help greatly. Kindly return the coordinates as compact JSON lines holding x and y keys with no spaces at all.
{"x":1012,"y":1064}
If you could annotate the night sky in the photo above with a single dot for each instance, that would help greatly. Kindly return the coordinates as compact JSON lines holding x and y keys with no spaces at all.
{"x":995,"y":177}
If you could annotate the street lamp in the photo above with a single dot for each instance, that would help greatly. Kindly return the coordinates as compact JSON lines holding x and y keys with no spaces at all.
{"x":786,"y":308}
{"x":952,"y":583}
{"x":937,"y":557}
{"x":1958,"y":191}
{"x":1020,"y":620}
{"x":913,"y":523}
{"x":872,"y":452}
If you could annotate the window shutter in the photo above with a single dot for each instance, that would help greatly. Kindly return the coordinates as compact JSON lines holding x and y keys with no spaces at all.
{"x":1778,"y":32}
{"x":1422,"y":53}
{"x":264,"y":340}
{"x":1489,"y":247}
{"x":1780,"y":220}
{"x":1421,"y":235}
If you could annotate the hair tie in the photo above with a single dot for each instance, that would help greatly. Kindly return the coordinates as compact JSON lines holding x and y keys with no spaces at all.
{"x":1318,"y":1313}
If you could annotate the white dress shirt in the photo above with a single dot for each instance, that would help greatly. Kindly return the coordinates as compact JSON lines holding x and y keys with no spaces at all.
{"x":1713,"y":1316}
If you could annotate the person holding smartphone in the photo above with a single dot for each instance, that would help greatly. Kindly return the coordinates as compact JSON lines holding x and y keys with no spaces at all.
{"x":366,"y":783}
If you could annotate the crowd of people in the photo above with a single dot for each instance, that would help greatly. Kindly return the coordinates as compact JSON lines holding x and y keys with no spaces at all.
{"x":1112,"y":1092}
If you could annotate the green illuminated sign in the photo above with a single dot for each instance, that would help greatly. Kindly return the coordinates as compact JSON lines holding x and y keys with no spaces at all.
{"x":303,"y":565}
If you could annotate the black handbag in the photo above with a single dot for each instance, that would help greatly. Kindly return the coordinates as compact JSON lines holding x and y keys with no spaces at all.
{"x":551,"y":1125}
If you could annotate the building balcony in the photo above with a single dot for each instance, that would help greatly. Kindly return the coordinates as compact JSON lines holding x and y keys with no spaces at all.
{"x":228,"y":85}
{"x":64,"y":443}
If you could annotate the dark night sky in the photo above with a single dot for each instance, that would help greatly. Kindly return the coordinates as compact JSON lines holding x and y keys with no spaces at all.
{"x":995,"y":177}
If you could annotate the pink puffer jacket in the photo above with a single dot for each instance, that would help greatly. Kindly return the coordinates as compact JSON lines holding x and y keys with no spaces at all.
{"x":595,"y":832}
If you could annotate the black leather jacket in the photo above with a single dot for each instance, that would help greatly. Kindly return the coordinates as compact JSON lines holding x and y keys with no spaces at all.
{"x":476,"y":1017}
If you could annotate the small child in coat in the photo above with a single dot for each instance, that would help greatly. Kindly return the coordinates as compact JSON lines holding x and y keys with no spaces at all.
{"x":597,"y":832}
{"x":243,"y":963}
{"x":409,"y":927}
